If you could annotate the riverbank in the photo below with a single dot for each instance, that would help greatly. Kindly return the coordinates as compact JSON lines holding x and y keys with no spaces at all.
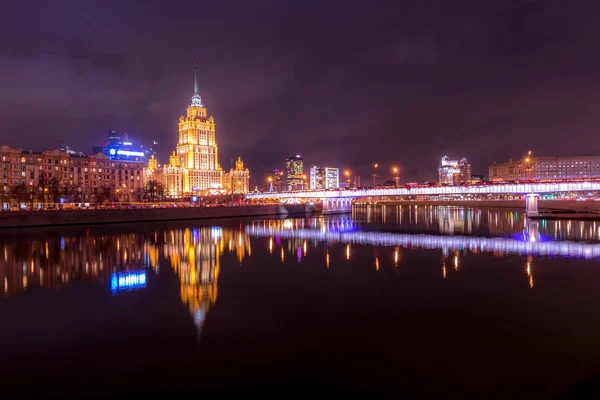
{"x":89,"y":217}
{"x":569,"y":209}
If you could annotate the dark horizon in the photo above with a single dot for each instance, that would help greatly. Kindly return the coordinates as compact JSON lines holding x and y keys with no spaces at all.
{"x":397,"y":83}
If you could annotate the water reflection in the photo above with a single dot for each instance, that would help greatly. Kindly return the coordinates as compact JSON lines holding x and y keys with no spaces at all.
{"x":451,"y":220}
{"x":195,"y":254}
{"x":120,"y":260}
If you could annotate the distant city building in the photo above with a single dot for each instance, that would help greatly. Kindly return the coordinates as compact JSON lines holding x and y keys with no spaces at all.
{"x":153,"y":149}
{"x":477,"y":178}
{"x":452,"y":172}
{"x":194,"y":166}
{"x":238,"y":178}
{"x":357,"y":182}
{"x":546,"y":168}
{"x":64,"y":146}
{"x":332,"y":178}
{"x":317,"y":178}
{"x":55,"y":176}
{"x":119,"y":146}
{"x":275,"y":180}
{"x":295,"y":173}
{"x":324,"y":178}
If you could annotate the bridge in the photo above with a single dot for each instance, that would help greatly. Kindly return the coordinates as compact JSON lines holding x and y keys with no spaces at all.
{"x":530,"y":241}
{"x":341,"y":200}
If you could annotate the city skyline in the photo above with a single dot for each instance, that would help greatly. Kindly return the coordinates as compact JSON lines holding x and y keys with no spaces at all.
{"x":490,"y":77}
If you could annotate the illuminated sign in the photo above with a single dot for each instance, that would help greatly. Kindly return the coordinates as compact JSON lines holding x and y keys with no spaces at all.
{"x":112,"y":152}
{"x":127,"y":143}
{"x":128,"y":281}
{"x":128,"y":153}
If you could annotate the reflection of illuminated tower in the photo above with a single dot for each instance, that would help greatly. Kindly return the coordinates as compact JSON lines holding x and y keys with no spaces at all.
{"x":195,"y":256}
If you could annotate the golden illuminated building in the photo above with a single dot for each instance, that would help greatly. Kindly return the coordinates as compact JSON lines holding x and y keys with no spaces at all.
{"x":194,"y":166}
{"x":238,"y":179}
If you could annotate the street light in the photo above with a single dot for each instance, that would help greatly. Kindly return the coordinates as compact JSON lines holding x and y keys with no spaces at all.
{"x":270,"y":180}
{"x":528,"y":165}
{"x":396,"y":177}
{"x":374,"y":175}
{"x":347,"y":177}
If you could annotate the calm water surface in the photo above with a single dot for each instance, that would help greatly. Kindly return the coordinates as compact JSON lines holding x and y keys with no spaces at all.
{"x":432,"y":301}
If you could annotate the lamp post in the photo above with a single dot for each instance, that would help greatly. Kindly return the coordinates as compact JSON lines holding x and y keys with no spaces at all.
{"x":270,"y":184}
{"x":347,"y":173}
{"x":528,"y":166}
{"x":374,"y":175}
{"x":396,"y":177}
{"x":303,"y":182}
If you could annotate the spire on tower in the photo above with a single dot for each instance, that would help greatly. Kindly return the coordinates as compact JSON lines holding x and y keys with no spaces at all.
{"x":196,"y":99}
{"x":196,"y":79}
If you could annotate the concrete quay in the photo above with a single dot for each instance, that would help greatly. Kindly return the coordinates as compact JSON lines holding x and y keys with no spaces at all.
{"x":24,"y":219}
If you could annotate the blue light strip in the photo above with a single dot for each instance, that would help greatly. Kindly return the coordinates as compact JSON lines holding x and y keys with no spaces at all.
{"x":127,"y":281}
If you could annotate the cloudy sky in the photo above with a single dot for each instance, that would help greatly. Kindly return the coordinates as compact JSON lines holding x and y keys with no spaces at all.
{"x":344,"y":83}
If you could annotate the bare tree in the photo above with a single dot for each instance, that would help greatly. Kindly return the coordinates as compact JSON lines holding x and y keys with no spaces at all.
{"x":154,"y":191}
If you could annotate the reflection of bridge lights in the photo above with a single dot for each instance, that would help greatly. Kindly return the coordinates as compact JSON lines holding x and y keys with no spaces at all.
{"x":376,"y":263}
{"x":282,"y":255}
{"x":444,"y":270}
{"x":270,"y":245}
{"x":348,"y":251}
{"x":455,"y":262}
{"x":396,"y":257}
{"x":299,"y":252}
{"x":304,"y":248}
{"x":471,"y":243}
{"x":327,"y":259}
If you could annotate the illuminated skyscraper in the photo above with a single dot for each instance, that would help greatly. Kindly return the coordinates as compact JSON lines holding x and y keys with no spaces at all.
{"x":196,"y":165}
{"x":295,"y":172}
{"x":324,"y":178}
{"x":275,"y":181}
{"x":452,"y":172}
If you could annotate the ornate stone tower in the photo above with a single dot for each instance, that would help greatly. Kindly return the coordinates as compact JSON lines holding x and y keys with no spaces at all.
{"x":197,"y":148}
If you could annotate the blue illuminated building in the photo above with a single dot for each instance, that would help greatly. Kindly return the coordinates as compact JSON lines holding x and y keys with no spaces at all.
{"x":120,"y":146}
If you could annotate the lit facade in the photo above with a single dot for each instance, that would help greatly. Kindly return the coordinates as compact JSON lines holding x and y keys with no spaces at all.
{"x":546,"y":168}
{"x":119,"y":146}
{"x":194,"y":166}
{"x":295,"y":173}
{"x":452,"y":172}
{"x":275,"y":181}
{"x":238,"y":179}
{"x":54,"y":176}
{"x":324,"y":178}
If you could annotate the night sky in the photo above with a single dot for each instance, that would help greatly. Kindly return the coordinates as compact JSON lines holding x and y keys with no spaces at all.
{"x":344,"y":83}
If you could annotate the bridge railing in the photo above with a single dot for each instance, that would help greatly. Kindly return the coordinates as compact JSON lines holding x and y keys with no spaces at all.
{"x":515,"y":188}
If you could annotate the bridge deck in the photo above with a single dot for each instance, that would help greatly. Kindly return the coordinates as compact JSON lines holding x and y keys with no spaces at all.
{"x":516,"y":188}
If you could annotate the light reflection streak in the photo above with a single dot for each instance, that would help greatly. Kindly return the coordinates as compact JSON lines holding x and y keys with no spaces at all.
{"x":473,"y":243}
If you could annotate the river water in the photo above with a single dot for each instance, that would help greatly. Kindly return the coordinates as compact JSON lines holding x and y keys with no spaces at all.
{"x":395,"y":300}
